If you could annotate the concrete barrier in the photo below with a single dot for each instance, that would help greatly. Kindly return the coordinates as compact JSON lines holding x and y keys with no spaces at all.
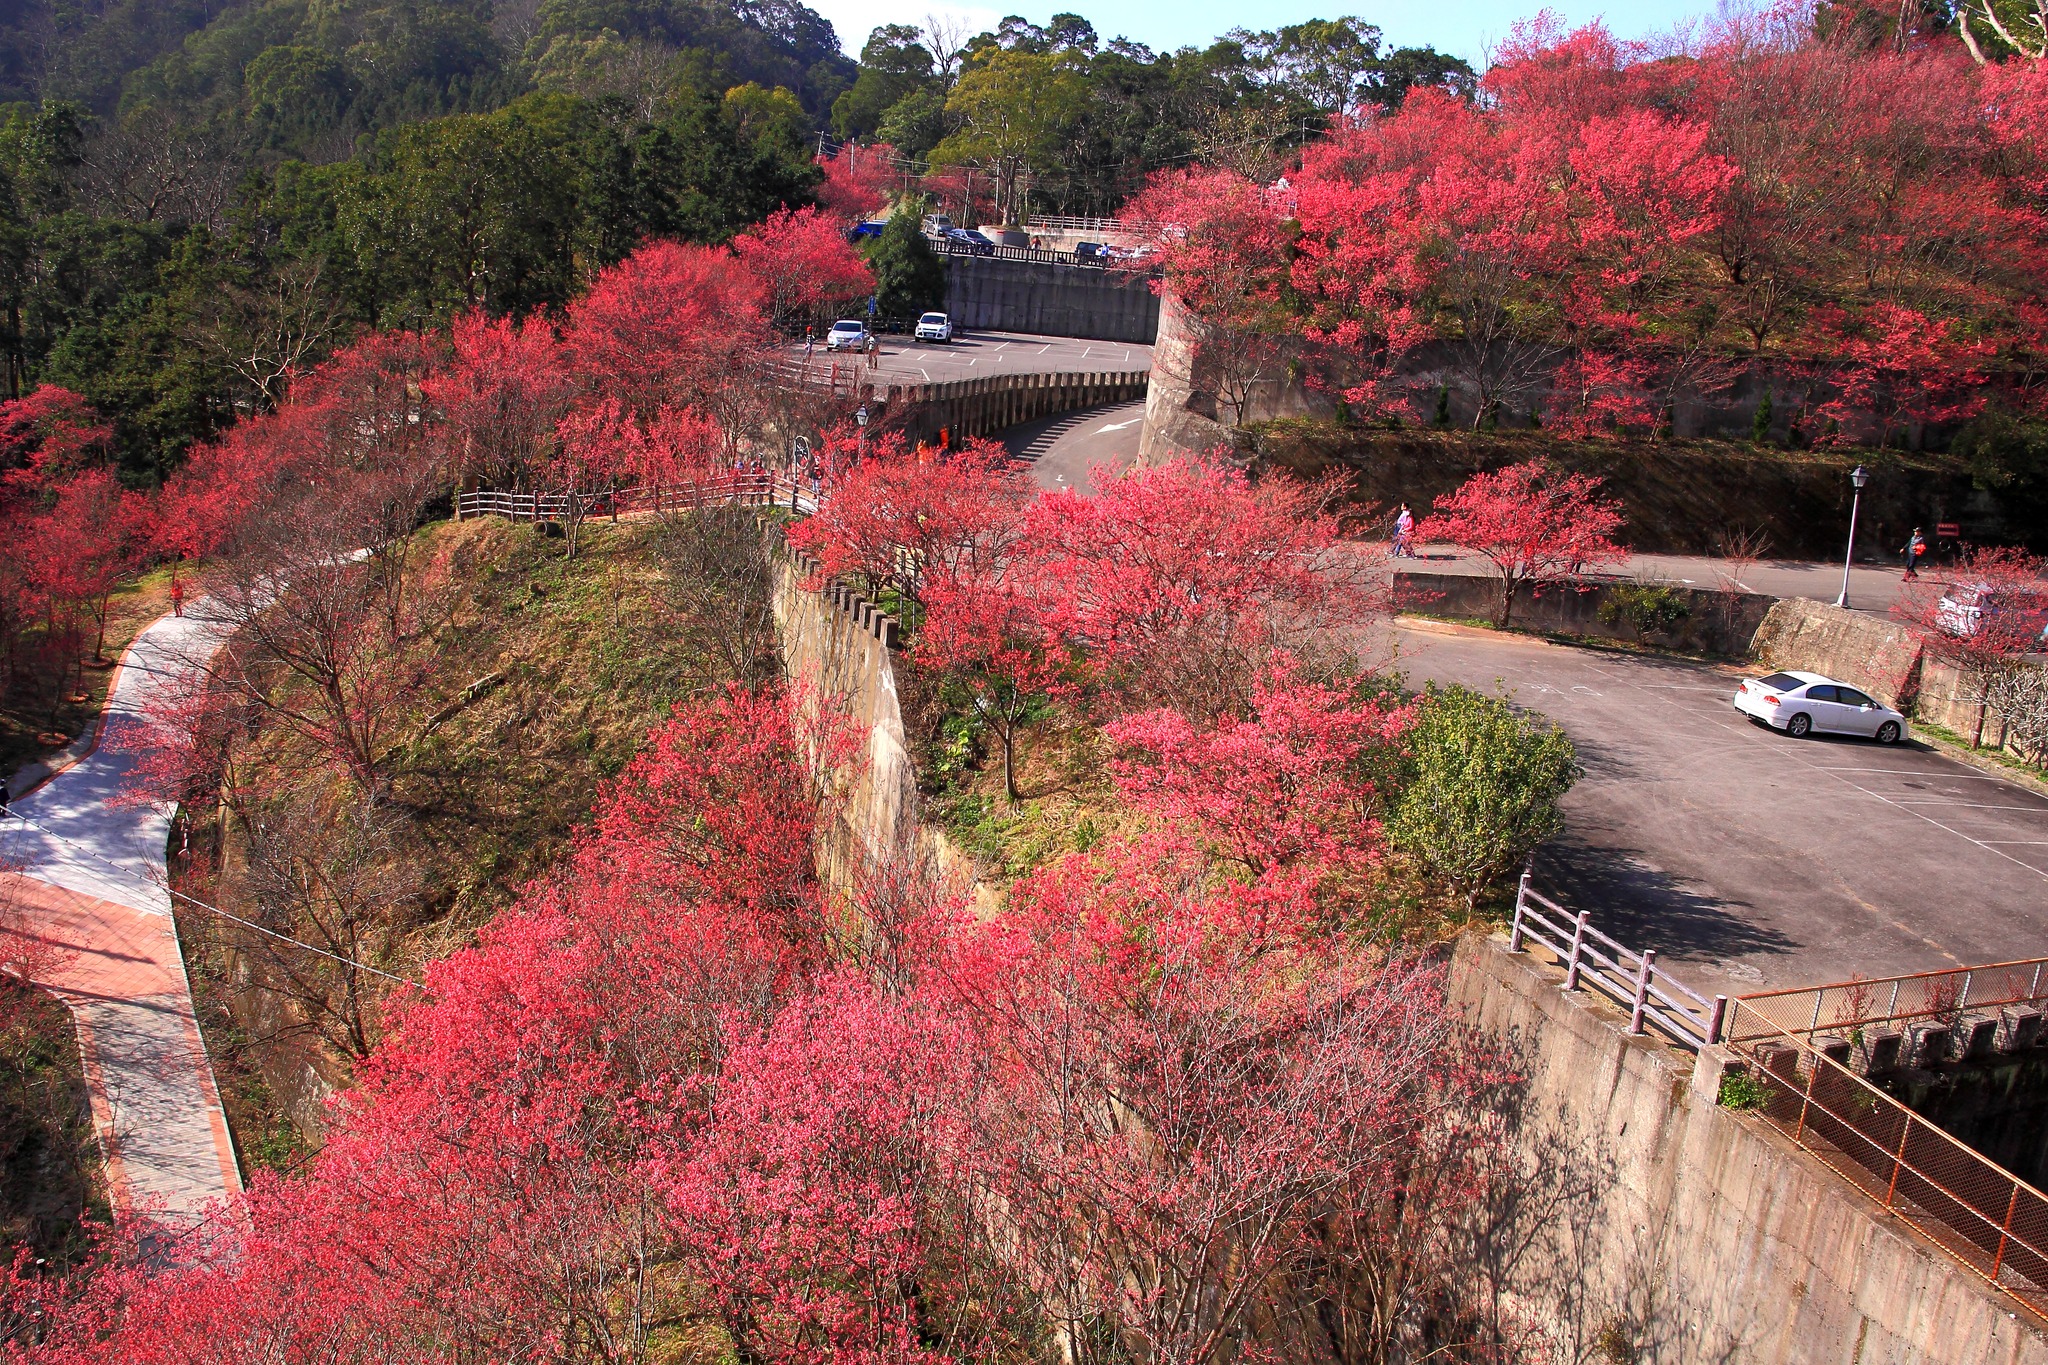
{"x":980,"y":407}
{"x":1714,"y":622}
{"x":987,"y":294}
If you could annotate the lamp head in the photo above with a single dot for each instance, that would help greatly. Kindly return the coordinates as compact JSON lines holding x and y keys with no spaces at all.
{"x":1859,"y":476}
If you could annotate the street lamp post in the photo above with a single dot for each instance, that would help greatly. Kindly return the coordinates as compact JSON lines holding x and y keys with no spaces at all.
{"x":1857,"y":476}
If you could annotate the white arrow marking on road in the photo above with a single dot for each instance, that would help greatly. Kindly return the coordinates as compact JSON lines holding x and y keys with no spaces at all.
{"x":1119,"y":426}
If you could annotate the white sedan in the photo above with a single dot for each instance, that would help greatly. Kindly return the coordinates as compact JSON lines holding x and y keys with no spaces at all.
{"x":1803,"y":704}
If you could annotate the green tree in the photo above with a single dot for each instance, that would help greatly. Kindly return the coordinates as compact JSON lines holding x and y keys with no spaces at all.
{"x":916,"y":123}
{"x":1481,"y":787}
{"x":893,"y":64}
{"x":296,"y":94}
{"x":909,"y":276}
{"x":1015,"y":111}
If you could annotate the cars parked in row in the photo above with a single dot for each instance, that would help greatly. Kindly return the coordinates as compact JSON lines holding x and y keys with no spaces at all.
{"x":1803,"y":704}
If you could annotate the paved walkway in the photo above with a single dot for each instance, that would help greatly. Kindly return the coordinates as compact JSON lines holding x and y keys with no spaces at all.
{"x":1872,"y":587}
{"x":89,"y":877}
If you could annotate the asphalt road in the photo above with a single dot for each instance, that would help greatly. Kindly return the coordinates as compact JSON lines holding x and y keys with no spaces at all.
{"x":974,"y":355}
{"x":1062,"y":450}
{"x":1750,"y":860}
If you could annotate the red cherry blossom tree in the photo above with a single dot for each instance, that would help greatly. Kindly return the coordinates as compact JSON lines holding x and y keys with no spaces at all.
{"x":1296,"y":785}
{"x":1181,"y":580}
{"x":803,"y":264}
{"x":504,"y":391}
{"x":1533,"y":523}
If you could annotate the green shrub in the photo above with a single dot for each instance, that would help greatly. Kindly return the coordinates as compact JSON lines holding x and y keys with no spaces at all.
{"x":1480,"y":787}
{"x":1645,"y":608}
{"x":1740,"y":1090}
{"x":1760,"y":425}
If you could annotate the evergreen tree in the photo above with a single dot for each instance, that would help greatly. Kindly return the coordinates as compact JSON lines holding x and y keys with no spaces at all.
{"x":909,"y":276}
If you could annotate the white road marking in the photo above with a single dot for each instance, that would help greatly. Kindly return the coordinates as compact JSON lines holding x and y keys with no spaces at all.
{"x":1967,"y":805}
{"x":1118,"y":426}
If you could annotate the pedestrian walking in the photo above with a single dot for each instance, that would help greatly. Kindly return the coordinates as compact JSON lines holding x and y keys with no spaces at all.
{"x":874,"y":351}
{"x":1404,"y":534}
{"x":177,"y":593}
{"x":1915,"y":551}
{"x":810,"y":348}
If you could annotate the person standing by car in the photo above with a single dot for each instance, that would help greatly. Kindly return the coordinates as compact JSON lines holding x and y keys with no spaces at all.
{"x":874,"y":351}
{"x":1916,"y":548}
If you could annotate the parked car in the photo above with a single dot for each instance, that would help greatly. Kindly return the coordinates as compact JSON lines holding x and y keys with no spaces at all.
{"x":1964,"y":607}
{"x":1127,"y":253}
{"x":862,"y":231}
{"x":941,"y":223}
{"x":1091,"y":251}
{"x":935,"y":327}
{"x":847,"y":334}
{"x":1803,"y":704}
{"x":973,"y":242}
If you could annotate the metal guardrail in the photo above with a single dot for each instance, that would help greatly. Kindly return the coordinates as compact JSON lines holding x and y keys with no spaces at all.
{"x":1982,"y":1215}
{"x":1978,"y":1008}
{"x":1652,"y":996}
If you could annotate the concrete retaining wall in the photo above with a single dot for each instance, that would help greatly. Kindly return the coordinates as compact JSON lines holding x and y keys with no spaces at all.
{"x":1880,"y":656}
{"x":836,"y":646}
{"x":986,"y":294}
{"x":1714,"y":623}
{"x":1657,"y":1226}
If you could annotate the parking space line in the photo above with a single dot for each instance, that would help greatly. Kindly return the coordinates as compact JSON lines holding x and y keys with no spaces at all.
{"x":1916,"y":772}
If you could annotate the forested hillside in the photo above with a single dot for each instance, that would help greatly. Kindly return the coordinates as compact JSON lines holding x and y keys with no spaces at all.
{"x":199,"y":199}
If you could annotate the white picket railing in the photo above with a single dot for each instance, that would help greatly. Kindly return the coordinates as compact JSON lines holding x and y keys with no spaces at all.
{"x":1592,"y":960}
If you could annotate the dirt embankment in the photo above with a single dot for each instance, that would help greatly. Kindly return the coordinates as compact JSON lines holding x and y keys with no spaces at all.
{"x":543,"y":677}
{"x":1679,"y":495}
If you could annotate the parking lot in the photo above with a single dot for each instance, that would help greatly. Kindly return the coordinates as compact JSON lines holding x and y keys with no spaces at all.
{"x":1750,"y":860}
{"x":978,"y":354}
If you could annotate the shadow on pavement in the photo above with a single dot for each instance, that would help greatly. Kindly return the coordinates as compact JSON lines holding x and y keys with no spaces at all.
{"x":1644,"y":908}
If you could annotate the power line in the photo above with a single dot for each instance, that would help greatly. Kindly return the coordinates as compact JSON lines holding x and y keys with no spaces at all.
{"x":166,"y":888}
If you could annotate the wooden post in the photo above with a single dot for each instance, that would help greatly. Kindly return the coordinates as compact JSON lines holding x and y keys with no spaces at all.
{"x":1521,"y":899}
{"x":1635,"y":1020}
{"x":1571,"y":967}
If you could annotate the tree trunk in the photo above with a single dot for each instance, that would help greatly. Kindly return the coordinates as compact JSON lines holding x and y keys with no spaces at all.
{"x":1507,"y":603}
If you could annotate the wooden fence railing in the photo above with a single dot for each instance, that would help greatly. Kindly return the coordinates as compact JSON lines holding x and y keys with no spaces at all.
{"x":1592,"y":960}
{"x":748,"y":490}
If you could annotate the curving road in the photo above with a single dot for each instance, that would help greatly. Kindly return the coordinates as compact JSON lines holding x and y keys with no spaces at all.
{"x":89,"y":884}
{"x":1063,"y":450}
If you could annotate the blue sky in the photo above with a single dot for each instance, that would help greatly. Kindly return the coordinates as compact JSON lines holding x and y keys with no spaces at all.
{"x":1464,"y":27}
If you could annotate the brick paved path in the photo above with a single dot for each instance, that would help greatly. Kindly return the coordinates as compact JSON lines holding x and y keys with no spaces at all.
{"x":89,"y":878}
